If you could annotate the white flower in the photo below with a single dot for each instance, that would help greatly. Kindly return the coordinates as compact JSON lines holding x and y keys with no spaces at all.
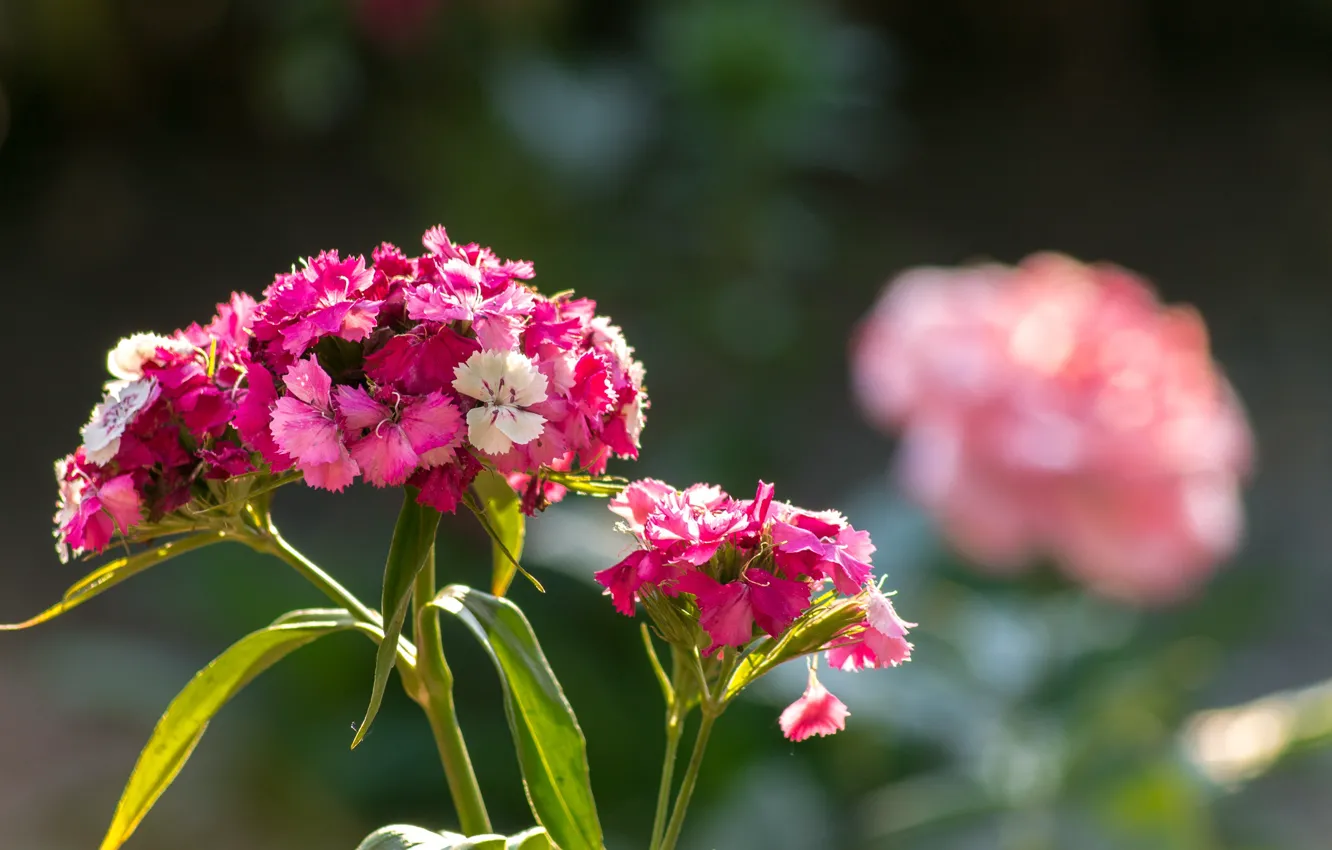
{"x":123,"y":401}
{"x":126,"y":360}
{"x":505,"y":382}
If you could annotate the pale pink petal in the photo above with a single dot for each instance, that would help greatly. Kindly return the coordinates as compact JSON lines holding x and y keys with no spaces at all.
{"x":880,"y":614}
{"x":817,"y":712}
{"x":432,"y":422}
{"x":385,"y":456}
{"x":309,"y":383}
{"x":335,"y":476}
{"x":357,"y":410}
{"x":304,"y":433}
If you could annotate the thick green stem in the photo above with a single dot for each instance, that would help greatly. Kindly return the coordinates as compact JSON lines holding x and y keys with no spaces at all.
{"x":690,"y":779}
{"x":436,"y":699}
{"x":674,"y":729}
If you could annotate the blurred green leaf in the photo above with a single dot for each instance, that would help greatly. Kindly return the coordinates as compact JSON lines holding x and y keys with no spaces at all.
{"x":507,"y":527}
{"x":552,"y":753}
{"x":109,"y":575}
{"x":413,"y":535}
{"x":182,"y":726}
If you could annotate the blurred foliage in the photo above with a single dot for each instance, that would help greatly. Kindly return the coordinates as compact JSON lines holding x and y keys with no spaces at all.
{"x":732,"y":180}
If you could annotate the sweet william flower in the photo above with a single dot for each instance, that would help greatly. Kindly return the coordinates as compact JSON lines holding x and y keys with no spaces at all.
{"x":1059,"y":409}
{"x":123,"y":402}
{"x":305,"y":428}
{"x":397,"y":438}
{"x":817,"y":712}
{"x":506,"y":383}
{"x":127,"y":359}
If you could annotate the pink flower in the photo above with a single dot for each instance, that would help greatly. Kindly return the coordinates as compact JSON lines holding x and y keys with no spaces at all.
{"x":396,"y":439}
{"x":637,"y":501}
{"x":824,"y":545}
{"x":496,"y":318}
{"x":1056,"y":408}
{"x":728,"y":612}
{"x":89,"y":514}
{"x":305,"y":428}
{"x":817,"y":712}
{"x":881,"y":642}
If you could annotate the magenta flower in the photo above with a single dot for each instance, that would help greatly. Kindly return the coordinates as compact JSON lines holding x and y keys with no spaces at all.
{"x":394,"y":440}
{"x":817,"y":712}
{"x":304,"y":427}
{"x":459,"y":297}
{"x":1059,"y":409}
{"x":719,"y":573}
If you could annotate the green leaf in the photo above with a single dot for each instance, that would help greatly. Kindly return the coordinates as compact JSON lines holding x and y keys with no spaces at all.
{"x":183,"y":724}
{"x":507,"y":527}
{"x":109,"y":575}
{"x":406,"y":837}
{"x":413,"y":535}
{"x":551,"y":750}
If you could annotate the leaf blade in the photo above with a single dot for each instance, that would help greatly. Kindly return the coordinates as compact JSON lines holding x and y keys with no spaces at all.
{"x":183,"y":723}
{"x":552,"y":752}
{"x":413,"y":535}
{"x":507,"y":525}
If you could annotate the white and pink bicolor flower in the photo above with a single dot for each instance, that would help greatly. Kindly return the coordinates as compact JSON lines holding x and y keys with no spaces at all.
{"x":507,"y":384}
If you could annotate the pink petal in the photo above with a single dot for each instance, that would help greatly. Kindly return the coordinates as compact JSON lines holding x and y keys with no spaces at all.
{"x":432,"y":422}
{"x":309,"y":383}
{"x":304,"y":433}
{"x":777,"y":602}
{"x":335,"y":475}
{"x":385,"y":456}
{"x":357,"y":410}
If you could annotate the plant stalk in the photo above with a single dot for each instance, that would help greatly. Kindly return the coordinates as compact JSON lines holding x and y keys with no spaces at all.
{"x":690,"y":779}
{"x":435,"y":697}
{"x":674,"y":729}
{"x":276,"y":544}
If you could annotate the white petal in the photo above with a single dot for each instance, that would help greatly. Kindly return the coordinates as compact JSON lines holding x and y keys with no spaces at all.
{"x":481,"y":374}
{"x":483,"y":434}
{"x":521,"y":426}
{"x":532,"y":390}
{"x":100,"y":451}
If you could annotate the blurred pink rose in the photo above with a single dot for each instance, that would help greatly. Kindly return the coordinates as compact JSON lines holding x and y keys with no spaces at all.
{"x":1059,"y":409}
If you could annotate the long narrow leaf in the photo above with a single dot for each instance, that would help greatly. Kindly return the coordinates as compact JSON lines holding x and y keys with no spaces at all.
{"x":111,"y":574}
{"x":183,"y":724}
{"x":413,"y":536}
{"x":551,"y":750}
{"x":504,"y":515}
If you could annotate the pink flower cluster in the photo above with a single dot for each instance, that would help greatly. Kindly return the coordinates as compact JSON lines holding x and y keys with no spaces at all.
{"x":162,"y":427}
{"x":419,"y":370}
{"x":1059,"y":409}
{"x":753,"y":567}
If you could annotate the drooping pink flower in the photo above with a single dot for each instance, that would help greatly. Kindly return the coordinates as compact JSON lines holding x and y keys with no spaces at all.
{"x":817,"y":712}
{"x":393,"y":441}
{"x":305,"y":428}
{"x":1058,"y":409}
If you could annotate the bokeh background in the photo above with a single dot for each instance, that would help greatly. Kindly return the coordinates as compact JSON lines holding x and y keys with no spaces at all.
{"x":733,"y":181}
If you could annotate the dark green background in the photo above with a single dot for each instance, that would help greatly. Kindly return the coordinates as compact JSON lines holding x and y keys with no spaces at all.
{"x":733,"y":182}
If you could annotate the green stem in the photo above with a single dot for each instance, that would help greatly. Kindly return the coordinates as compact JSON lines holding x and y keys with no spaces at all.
{"x":436,"y":699}
{"x":674,"y":729}
{"x":276,"y":544}
{"x":690,"y":780}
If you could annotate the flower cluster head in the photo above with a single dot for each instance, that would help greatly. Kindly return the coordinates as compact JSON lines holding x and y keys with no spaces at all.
{"x":716,"y":573}
{"x":420,"y":370}
{"x":162,"y":435}
{"x":403,"y":370}
{"x":1059,"y":409}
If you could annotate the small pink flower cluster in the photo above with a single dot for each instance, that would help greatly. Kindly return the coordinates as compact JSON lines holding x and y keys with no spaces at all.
{"x":163,"y":425}
{"x":417,"y":370}
{"x":753,"y":567}
{"x":1057,"y":408}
